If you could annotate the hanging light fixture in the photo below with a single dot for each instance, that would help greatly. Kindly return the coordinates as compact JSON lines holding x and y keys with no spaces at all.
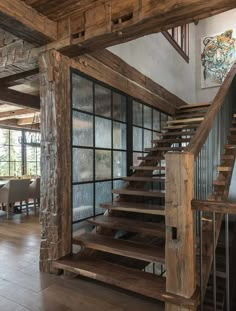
{"x":32,"y":138}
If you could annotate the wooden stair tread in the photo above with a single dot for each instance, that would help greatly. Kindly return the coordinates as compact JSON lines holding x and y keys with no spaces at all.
{"x":177,"y":133}
{"x":151,"y":158}
{"x":223,"y":168}
{"x":147,"y":168}
{"x":140,"y":192}
{"x":121,"y":247}
{"x":190,"y":120}
{"x":230,"y":146}
{"x":190,"y":115}
{"x":194,"y":106}
{"x":143,"y":208}
{"x":171,"y":140}
{"x":132,"y":225}
{"x":219,"y":182}
{"x":182,"y":126}
{"x":164,"y":149}
{"x":140,"y":282}
{"x":227,"y":157}
{"x":144,"y":179}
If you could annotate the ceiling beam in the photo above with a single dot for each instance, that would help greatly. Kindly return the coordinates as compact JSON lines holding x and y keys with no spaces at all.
{"x":26,"y":121}
{"x":19,"y":99}
{"x":23,"y":21}
{"x":11,"y":80}
{"x":12,"y":114}
{"x":114,"y":22}
{"x":13,"y":123}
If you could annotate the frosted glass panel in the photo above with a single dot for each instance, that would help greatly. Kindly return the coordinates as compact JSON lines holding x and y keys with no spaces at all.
{"x":118,"y":184}
{"x":119,"y":135}
{"x":136,"y":162}
{"x":82,"y":93}
{"x":82,"y":165}
{"x":156,"y":120}
{"x":147,"y":139}
{"x":119,"y":164}
{"x":102,"y":101}
{"x":82,"y":129}
{"x":82,"y":201}
{"x":102,"y":133}
{"x":137,"y":113}
{"x":103,"y":164}
{"x":147,"y":117}
{"x":103,"y":194}
{"x":163,"y":120}
{"x":119,"y":107}
{"x":137,"y":138}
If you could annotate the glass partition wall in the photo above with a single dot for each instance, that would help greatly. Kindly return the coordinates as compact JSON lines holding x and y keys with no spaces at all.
{"x":109,"y":131}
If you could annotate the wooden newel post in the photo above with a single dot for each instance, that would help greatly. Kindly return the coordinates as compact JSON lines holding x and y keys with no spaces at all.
{"x":180,"y":237}
{"x":55,"y":203}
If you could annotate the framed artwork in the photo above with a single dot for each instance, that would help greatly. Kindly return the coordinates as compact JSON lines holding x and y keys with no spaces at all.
{"x":218,"y":54}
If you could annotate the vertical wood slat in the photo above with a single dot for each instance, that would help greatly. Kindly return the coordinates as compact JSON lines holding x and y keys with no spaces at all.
{"x":180,"y":237}
{"x":55,"y":157}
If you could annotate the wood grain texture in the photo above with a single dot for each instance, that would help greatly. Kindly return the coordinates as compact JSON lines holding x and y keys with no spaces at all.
{"x":180,"y":249}
{"x":214,"y":206}
{"x":204,"y":129}
{"x":56,"y":156}
{"x":19,"y":99}
{"x":26,"y":23}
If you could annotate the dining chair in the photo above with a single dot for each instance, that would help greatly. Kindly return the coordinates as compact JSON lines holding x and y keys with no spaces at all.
{"x":16,"y":190}
{"x":34,"y":192}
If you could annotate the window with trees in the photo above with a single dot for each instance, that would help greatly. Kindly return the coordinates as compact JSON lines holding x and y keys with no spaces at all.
{"x":17,"y":158}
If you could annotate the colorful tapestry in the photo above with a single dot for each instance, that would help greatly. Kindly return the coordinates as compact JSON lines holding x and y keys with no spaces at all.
{"x":218,"y":56}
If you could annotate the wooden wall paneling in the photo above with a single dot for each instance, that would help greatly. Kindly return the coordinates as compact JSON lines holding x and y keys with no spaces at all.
{"x":180,"y":237}
{"x":56,"y":158}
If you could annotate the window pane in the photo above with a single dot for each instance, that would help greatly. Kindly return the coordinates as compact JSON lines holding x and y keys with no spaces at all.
{"x":119,"y":107}
{"x":103,"y":164}
{"x":147,"y":139}
{"x":119,"y":136}
{"x":82,"y":201}
{"x":119,"y":164}
{"x":156,"y":120}
{"x":82,"y":93}
{"x":136,"y":162}
{"x":4,"y":153}
{"x":82,"y":129}
{"x":103,"y":195}
{"x":15,"y":153}
{"x":102,"y":133}
{"x":82,"y":165}
{"x":102,"y":101}
{"x":137,"y":113}
{"x":118,"y":184}
{"x":31,"y":168}
{"x":147,"y":117}
{"x":4,"y":137}
{"x":163,"y":120}
{"x":137,"y":138}
{"x":15,"y":137}
{"x":16,"y":169}
{"x":4,"y":169}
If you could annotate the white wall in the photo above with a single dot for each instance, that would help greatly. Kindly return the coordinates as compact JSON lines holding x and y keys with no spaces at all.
{"x":210,"y":26}
{"x":155,"y":57}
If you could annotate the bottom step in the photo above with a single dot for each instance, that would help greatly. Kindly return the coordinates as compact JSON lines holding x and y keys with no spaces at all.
{"x":137,"y":281}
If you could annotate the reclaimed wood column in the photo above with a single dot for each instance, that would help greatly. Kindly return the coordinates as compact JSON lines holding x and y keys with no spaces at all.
{"x":180,"y":237}
{"x":55,"y":202}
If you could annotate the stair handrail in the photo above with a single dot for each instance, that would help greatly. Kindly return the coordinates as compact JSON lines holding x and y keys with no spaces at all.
{"x":200,"y":137}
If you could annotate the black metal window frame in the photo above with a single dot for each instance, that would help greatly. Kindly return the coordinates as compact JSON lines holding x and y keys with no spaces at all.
{"x":129,"y":136}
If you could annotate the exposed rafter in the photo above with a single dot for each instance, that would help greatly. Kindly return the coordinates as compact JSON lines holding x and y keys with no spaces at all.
{"x":12,"y":114}
{"x":11,"y":80}
{"x":26,"y":23}
{"x":19,"y":99}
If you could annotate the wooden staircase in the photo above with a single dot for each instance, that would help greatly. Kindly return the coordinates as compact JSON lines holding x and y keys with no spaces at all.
{"x":131,"y":233}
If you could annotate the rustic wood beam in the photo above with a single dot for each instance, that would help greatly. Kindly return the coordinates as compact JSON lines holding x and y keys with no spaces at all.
{"x":113,"y":22}
{"x":223,"y":207}
{"x":13,"y":123}
{"x":26,"y":23}
{"x":25,"y":121}
{"x":11,"y":80}
{"x":15,"y":113}
{"x":19,"y":99}
{"x":117,"y":64}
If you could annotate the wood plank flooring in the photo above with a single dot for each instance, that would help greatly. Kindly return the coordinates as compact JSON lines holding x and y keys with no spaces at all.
{"x":24,"y":288}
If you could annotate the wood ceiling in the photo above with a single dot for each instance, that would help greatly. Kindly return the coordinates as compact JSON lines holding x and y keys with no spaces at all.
{"x":56,"y":9}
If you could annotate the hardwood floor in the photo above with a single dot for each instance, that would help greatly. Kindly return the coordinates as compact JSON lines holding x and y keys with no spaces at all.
{"x":23,"y":287}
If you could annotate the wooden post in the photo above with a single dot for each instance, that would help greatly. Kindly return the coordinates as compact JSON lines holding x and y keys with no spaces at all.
{"x":180,"y":237}
{"x":55,"y":203}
